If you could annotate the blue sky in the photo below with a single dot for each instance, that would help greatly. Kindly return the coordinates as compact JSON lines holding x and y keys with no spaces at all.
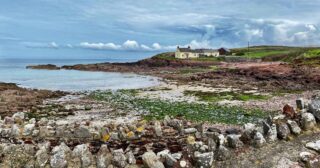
{"x":98,"y":28}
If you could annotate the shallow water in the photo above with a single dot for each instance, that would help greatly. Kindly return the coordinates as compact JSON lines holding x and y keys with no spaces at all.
{"x":14,"y":71}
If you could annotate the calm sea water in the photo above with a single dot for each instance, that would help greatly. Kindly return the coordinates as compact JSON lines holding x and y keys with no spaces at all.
{"x":14,"y":71}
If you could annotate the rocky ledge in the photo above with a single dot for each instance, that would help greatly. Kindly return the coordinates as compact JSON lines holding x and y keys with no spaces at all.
{"x":172,"y":142}
{"x":46,"y":67}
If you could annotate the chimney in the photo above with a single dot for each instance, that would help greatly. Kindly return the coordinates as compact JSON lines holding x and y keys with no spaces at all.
{"x":189,"y":47}
{"x":177,"y":47}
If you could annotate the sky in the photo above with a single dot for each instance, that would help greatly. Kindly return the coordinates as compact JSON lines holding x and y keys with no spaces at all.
{"x":140,"y":28}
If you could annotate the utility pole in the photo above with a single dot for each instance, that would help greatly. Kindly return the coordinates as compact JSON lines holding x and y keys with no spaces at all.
{"x":248,"y":48}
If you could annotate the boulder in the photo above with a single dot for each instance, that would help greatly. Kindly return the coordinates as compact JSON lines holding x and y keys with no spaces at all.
{"x":308,"y":121}
{"x":119,"y":159}
{"x":82,"y":132}
{"x":258,"y":140}
{"x":15,"y":131}
{"x":294,"y":127}
{"x":28,"y":129}
{"x":247,"y":134}
{"x":82,"y":152}
{"x":314,"y":107}
{"x":283,"y":130}
{"x":234,"y":141}
{"x":42,"y":157}
{"x":130,"y":158}
{"x":314,"y":145}
{"x":306,"y":156}
{"x":18,"y":117}
{"x":272,"y":134}
{"x":190,"y":130}
{"x":204,"y":160}
{"x":222,"y":153}
{"x":288,"y":111}
{"x":151,"y":160}
{"x":60,"y":156}
{"x":157,"y":128}
{"x":104,"y":157}
{"x":300,"y":104}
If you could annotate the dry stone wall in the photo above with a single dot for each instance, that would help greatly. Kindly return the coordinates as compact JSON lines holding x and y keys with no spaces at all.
{"x":172,"y":142}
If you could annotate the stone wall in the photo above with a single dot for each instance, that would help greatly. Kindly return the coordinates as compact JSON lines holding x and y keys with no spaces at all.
{"x":171,"y":142}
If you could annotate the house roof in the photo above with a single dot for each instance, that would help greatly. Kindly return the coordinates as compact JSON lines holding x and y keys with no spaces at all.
{"x":225,"y":49}
{"x":195,"y":50}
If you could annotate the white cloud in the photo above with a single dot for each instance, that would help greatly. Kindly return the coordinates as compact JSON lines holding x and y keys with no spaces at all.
{"x":52,"y":45}
{"x":131,"y":45}
{"x":101,"y":46}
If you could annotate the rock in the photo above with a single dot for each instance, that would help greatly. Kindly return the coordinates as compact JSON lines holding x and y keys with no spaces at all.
{"x":60,"y":155}
{"x":286,"y":163}
{"x":283,"y":131}
{"x":15,"y":131}
{"x":306,"y":156}
{"x":190,"y":130}
{"x":191,"y":140}
{"x":28,"y":129}
{"x":151,"y":160}
{"x":314,"y":145}
{"x":119,"y":159}
{"x":8,"y":120}
{"x":82,"y":152}
{"x":114,"y":136}
{"x":43,"y":121}
{"x":32,"y":121}
{"x":234,"y":141}
{"x":104,"y":157}
{"x":279,"y":117}
{"x":213,"y":129}
{"x":314,"y":107}
{"x":130,"y":158}
{"x":170,"y":161}
{"x":82,"y":132}
{"x":247,"y":134}
{"x":222,"y":153}
{"x":166,"y":120}
{"x":272,"y":134}
{"x":300,"y":104}
{"x":212,"y":144}
{"x":288,"y":111}
{"x":259,"y":140}
{"x":18,"y":117}
{"x":157,"y":128}
{"x":42,"y":157}
{"x":294,"y":127}
{"x":177,"y":156}
{"x":233,"y":131}
{"x":308,"y":121}
{"x":204,"y":160}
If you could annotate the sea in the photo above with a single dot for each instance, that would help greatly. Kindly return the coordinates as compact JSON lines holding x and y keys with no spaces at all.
{"x":14,"y":71}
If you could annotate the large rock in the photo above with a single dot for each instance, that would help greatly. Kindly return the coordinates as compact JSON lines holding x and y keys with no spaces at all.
{"x":234,"y":141}
{"x":258,"y":140}
{"x":42,"y":157}
{"x":314,"y":107}
{"x":247,"y":134}
{"x":104,"y":157}
{"x":222,"y":153}
{"x":204,"y":160}
{"x":119,"y":159}
{"x":283,"y":130}
{"x":82,"y":132}
{"x":294,"y":127}
{"x":314,"y":145}
{"x":151,"y":160}
{"x":82,"y":152}
{"x":308,"y":121}
{"x":288,"y":111}
{"x":300,"y":104}
{"x":60,"y":156}
{"x":157,"y":128}
{"x":15,"y":131}
{"x":18,"y":117}
{"x":28,"y":129}
{"x":272,"y":134}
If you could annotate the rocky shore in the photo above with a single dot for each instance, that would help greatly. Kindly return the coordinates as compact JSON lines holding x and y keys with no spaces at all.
{"x":286,"y":140}
{"x":14,"y":98}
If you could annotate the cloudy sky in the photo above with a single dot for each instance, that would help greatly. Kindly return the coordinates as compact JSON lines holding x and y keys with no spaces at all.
{"x":95,"y":28}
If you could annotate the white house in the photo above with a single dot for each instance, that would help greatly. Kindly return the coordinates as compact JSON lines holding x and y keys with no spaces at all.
{"x":184,"y":53}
